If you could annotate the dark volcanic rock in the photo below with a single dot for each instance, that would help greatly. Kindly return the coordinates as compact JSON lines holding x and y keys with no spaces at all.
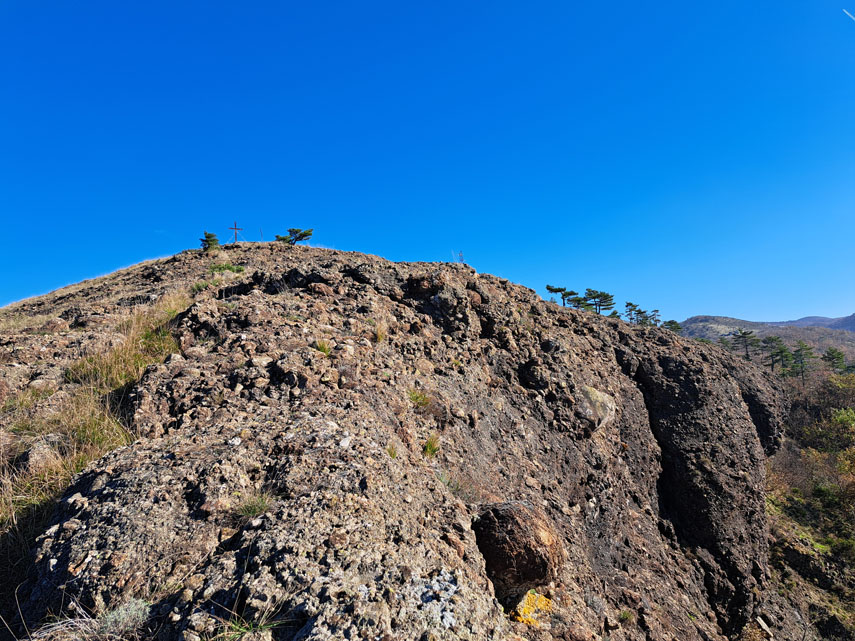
{"x":520,"y":547}
{"x":625,"y":465}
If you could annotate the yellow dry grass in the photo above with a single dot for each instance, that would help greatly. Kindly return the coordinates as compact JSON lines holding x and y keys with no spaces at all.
{"x":82,"y":426}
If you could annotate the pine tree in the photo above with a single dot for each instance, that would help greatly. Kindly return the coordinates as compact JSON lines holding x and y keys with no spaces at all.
{"x":579,"y":302}
{"x":568,"y":294}
{"x":631,"y":312}
{"x":634,"y":314}
{"x":802,"y":356}
{"x":607,"y":302}
{"x":774,"y":348}
{"x":295,"y":235}
{"x":210,"y":241}
{"x":651,"y":318}
{"x":558,"y":290}
{"x":835,"y":359}
{"x":614,"y":314}
{"x":785,"y":359}
{"x":599,"y":301}
{"x":745,"y":340}
{"x":673,"y":325}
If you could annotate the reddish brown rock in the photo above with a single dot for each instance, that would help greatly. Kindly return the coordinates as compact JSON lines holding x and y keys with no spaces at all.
{"x":322,"y":289}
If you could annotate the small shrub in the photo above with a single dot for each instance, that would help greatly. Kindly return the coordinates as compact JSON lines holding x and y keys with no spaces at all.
{"x":626,"y":616}
{"x":323,"y":347}
{"x":752,"y":632}
{"x":832,"y":434}
{"x":392,"y":451}
{"x":419,"y":399}
{"x":219,"y":268}
{"x":254,"y":505}
{"x":829,"y":495}
{"x":844,"y":548}
{"x":430,"y":448}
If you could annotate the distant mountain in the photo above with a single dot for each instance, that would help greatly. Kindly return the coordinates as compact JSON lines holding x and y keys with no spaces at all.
{"x":815,"y":330}
{"x":846,"y":323}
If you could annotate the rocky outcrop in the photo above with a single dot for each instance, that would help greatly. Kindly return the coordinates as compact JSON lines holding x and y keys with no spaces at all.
{"x":283,"y":471}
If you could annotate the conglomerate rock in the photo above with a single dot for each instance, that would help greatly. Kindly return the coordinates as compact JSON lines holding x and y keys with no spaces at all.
{"x":369,"y":411}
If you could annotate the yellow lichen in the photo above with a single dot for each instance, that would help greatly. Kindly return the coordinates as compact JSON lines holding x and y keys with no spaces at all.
{"x":531,"y":605}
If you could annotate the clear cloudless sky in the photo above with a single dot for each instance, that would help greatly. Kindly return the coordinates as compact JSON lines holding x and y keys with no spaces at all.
{"x":698,"y":158}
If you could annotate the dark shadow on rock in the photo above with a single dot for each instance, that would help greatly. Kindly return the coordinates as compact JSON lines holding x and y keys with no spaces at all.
{"x":521,"y":549}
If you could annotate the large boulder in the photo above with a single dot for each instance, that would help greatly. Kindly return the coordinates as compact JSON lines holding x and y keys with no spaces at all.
{"x":520,"y":546}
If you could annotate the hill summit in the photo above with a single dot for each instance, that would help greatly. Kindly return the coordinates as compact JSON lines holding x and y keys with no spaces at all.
{"x":341,"y":447}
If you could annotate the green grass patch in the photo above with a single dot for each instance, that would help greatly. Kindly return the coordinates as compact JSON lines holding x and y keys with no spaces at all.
{"x":430,"y":447}
{"x":219,"y":268}
{"x":419,"y":399}
{"x":323,"y":347}
{"x":254,"y":505}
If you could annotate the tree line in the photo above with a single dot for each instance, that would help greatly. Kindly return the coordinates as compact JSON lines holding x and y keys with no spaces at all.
{"x":594,"y":300}
{"x":779,"y":357}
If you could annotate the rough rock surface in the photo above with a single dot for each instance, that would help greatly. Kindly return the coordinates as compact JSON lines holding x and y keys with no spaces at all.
{"x":315,"y":379}
{"x":520,"y":547}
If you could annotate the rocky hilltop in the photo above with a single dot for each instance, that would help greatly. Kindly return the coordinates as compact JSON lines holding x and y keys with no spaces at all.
{"x":342,"y":447}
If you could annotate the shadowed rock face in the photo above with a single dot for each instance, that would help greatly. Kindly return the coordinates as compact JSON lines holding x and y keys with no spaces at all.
{"x":520,"y":547}
{"x":622,"y":465}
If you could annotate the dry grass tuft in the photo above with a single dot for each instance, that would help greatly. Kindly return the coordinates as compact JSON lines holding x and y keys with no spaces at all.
{"x":11,"y":322}
{"x":25,"y":400}
{"x":381,"y":332}
{"x":147,"y":340}
{"x":81,"y":427}
{"x":122,"y":624}
{"x":237,"y":627}
{"x":323,"y":347}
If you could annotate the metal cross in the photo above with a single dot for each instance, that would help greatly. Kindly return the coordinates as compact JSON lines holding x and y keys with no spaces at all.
{"x":236,"y":229}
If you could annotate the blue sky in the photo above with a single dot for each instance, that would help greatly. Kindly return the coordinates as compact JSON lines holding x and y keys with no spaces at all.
{"x":695,"y":158}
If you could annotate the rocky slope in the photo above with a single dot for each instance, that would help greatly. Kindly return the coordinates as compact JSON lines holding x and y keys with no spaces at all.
{"x":348,"y":448}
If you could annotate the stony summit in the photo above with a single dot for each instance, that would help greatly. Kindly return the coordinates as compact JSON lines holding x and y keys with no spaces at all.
{"x":341,"y":447}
